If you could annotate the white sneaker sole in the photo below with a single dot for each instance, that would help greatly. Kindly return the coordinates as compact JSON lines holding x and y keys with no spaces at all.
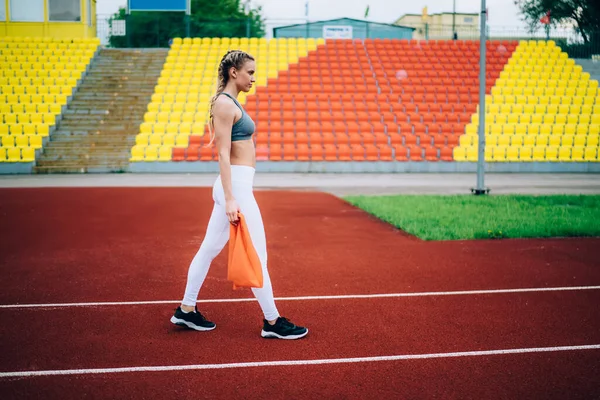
{"x":182,"y":322}
{"x":267,"y":335}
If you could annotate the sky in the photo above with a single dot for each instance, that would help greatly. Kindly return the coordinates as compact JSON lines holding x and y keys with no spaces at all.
{"x":502,"y":13}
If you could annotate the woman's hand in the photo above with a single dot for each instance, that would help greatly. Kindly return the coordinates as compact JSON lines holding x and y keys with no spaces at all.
{"x":232,"y":209}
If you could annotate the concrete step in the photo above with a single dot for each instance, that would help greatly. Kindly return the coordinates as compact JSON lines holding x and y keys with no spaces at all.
{"x":103,"y":117}
{"x":111,"y":127}
{"x":54,"y":159}
{"x":88,"y":143}
{"x":116,"y":142}
{"x":81,"y":168}
{"x":127,"y":118}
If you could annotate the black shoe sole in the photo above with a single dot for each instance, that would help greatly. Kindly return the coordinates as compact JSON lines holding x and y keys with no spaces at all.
{"x":273,"y":335}
{"x":186,"y":324}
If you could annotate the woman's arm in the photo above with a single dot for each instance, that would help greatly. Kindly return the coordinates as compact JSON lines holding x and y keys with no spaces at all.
{"x":223,"y":118}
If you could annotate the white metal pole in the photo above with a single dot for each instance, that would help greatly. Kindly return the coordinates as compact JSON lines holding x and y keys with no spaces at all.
{"x":480,"y":189}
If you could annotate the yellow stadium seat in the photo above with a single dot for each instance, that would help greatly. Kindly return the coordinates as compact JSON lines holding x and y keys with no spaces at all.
{"x":577,"y":154}
{"x":466,"y":140}
{"x":579,"y":140}
{"x":28,"y":154}
{"x":142,"y":139}
{"x":150,"y":117}
{"x":459,"y":153}
{"x":542,"y":140}
{"x":159,"y":128}
{"x":22,"y":141}
{"x":155,"y":139}
{"x":499,"y":153}
{"x":182,"y":140}
{"x":590,"y":154}
{"x":567,"y":140}
{"x":520,"y":129}
{"x":548,"y":119}
{"x":552,"y":153}
{"x":504,"y":140}
{"x":539,"y":153}
{"x":570,"y":129}
{"x":472,"y":153}
{"x":165,"y":153}
{"x":13,"y":154}
{"x":29,"y":129}
{"x":564,"y":153}
{"x":517,"y":140}
{"x":560,"y":119}
{"x":529,"y":140}
{"x":536,"y":119}
{"x":496,"y":129}
{"x":525,"y":153}
{"x":137,"y":153}
{"x":151,"y":153}
{"x":582,"y":129}
{"x":545,"y":129}
{"x":42,"y":129}
{"x":512,"y":153}
{"x":16,"y":129}
{"x":146,"y":128}
{"x":554,"y":140}
{"x":35,"y":141}
{"x":169,"y":139}
{"x":2,"y":154}
{"x":8,"y":141}
{"x":471,"y":129}
{"x":185,"y":128}
{"x":592,"y":140}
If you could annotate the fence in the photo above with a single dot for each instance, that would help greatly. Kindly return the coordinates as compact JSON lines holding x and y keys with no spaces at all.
{"x":156,"y":29}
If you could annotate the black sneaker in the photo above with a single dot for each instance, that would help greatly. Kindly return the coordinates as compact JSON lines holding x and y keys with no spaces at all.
{"x":192,"y":320}
{"x":283,"y":329}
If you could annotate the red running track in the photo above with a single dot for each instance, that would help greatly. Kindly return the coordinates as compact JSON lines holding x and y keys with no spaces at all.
{"x":79,"y":245}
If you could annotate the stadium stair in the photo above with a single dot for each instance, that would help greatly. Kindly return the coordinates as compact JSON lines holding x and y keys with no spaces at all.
{"x":99,"y":126}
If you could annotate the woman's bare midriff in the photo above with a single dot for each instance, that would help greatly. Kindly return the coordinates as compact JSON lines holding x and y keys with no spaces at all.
{"x":243,"y":153}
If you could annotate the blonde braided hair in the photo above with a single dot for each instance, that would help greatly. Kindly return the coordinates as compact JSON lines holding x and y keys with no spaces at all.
{"x":233,"y":58}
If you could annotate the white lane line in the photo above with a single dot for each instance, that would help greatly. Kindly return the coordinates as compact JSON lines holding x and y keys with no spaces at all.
{"x":89,"y":371}
{"x":300,"y":298}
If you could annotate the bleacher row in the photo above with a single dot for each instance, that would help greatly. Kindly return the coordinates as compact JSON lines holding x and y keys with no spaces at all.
{"x":330,"y":100}
{"x":37,"y":77}
{"x":543,"y":107}
{"x":342,"y":96}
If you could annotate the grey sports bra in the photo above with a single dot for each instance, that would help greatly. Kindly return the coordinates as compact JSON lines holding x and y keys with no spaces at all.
{"x":244,"y":127}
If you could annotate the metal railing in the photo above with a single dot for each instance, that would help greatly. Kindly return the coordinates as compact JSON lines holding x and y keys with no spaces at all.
{"x":157,"y":29}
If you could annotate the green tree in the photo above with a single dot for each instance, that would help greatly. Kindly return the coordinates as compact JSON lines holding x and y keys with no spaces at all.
{"x":585,"y":14}
{"x":209,"y":18}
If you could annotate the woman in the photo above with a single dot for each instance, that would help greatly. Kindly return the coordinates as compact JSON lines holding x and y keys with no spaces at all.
{"x":232,"y":192}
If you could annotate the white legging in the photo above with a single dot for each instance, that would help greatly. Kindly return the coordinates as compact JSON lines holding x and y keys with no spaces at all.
{"x":217,"y":235}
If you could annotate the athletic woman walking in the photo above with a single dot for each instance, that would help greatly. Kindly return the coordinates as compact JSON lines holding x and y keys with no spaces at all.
{"x":232,"y":192}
